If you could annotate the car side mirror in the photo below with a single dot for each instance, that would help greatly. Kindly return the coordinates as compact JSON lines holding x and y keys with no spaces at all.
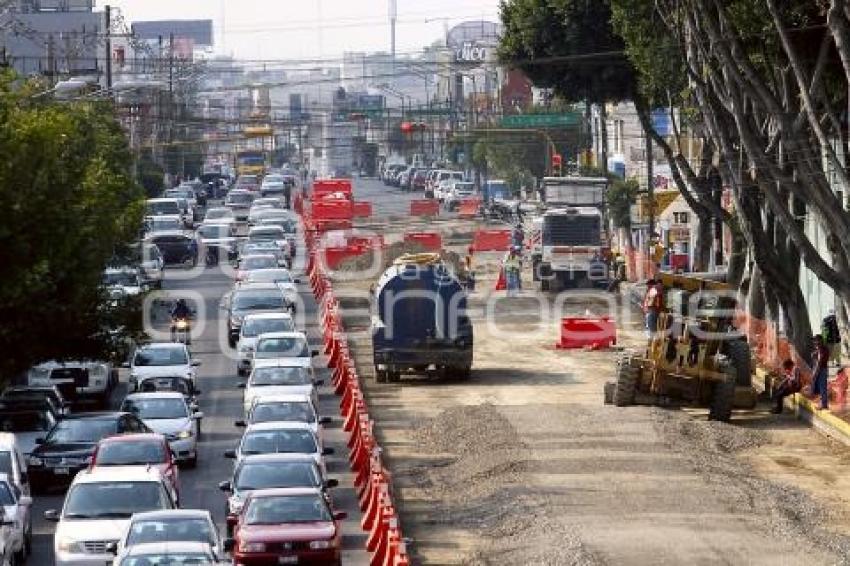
{"x":331,"y":483}
{"x":228,"y":545}
{"x":327,"y":451}
{"x":225,"y":486}
{"x":51,"y":515}
{"x":324,"y":420}
{"x":240,"y":424}
{"x":112,"y":547}
{"x":340,"y":515}
{"x":241,"y":386}
{"x":230,"y":454}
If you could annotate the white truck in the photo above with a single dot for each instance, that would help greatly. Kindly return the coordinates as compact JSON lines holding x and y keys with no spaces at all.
{"x":570,"y":240}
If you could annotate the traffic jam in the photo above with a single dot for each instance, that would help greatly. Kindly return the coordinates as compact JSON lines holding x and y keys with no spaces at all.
{"x":117,"y":440}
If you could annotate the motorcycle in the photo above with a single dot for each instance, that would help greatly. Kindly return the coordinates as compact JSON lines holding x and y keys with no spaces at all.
{"x":181,"y":331}
{"x":212,"y":256}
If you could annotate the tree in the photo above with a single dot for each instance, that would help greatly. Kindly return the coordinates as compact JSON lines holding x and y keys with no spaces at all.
{"x":67,"y":200}
{"x":622,"y":194}
{"x":569,"y":46}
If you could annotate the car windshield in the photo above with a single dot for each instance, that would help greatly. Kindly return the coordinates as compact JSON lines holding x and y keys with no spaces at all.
{"x":131,"y":453}
{"x":269,"y":300}
{"x":168,"y":559}
{"x":291,"y":347}
{"x":287,"y":509}
{"x":180,"y":193}
{"x":290,"y":411}
{"x":258,"y":262}
{"x":156,"y":408}
{"x":270,"y":276}
{"x":161,"y":357}
{"x":120,"y":279}
{"x":255,"y":327}
{"x":211,"y":231}
{"x":263,"y":377}
{"x":26,"y":421}
{"x":167,"y":207}
{"x":287,"y":224}
{"x":155,"y":224}
{"x":294,"y":441}
{"x":240,"y":198}
{"x":81,"y":430}
{"x":260,"y":248}
{"x":273,"y":187}
{"x":6,"y":463}
{"x":215,"y":213}
{"x":183,"y":529}
{"x":266,"y":234}
{"x":266,"y":475}
{"x":114,"y":499}
{"x":6,"y":496}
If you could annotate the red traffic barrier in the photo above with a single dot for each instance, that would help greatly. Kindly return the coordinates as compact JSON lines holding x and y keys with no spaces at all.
{"x":427,"y":207}
{"x":373,"y":241}
{"x":331,"y":209}
{"x":431,"y":241}
{"x":468,"y":207}
{"x":492,"y":241}
{"x":582,"y":332}
{"x":333,"y":256}
{"x":361,"y":209}
{"x":322,"y":188}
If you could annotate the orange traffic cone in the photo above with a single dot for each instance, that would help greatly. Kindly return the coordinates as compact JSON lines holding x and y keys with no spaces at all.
{"x":501,"y":283}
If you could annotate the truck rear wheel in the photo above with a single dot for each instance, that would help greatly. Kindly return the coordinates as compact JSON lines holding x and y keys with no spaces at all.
{"x":723,"y":395}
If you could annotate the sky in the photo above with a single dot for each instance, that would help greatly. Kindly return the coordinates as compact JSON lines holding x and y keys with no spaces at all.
{"x":261,"y":30}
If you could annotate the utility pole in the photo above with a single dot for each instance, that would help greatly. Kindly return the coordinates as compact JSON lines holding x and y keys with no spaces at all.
{"x":51,"y":60}
{"x":393,"y":17}
{"x":650,"y":187}
{"x":107,"y":10}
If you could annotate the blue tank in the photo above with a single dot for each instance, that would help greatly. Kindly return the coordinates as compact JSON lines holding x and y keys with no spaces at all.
{"x":421,"y":323}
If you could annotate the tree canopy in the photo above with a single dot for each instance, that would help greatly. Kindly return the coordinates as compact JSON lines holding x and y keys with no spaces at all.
{"x":67,"y":201}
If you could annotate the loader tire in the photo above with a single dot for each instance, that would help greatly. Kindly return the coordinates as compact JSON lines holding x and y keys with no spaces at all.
{"x":626,"y":386}
{"x":723,"y":396}
{"x":739,"y":355}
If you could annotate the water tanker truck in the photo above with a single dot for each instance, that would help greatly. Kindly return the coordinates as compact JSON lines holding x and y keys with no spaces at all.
{"x":420,"y":324}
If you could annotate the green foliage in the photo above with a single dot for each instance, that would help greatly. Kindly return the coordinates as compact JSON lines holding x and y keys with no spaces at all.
{"x":622,"y":194}
{"x":567,"y":45}
{"x":66,"y":201}
{"x":150,"y":176}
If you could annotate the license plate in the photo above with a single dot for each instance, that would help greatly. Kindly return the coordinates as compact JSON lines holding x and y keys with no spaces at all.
{"x":62,"y":471}
{"x":287,"y":560}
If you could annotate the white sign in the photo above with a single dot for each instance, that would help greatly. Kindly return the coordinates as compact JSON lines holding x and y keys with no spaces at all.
{"x":470,"y":53}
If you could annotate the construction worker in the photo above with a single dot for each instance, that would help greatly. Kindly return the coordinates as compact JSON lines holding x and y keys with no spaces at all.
{"x":653,"y":302}
{"x":513,"y":270}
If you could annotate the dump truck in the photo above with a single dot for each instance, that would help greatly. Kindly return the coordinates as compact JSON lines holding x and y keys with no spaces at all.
{"x":420,"y":324}
{"x":697,"y":356}
{"x":571,"y":243}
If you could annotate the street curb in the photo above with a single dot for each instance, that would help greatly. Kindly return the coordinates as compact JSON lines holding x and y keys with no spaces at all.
{"x":805,"y":410}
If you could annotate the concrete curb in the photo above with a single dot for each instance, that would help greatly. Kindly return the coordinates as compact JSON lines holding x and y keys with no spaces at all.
{"x":805,"y":410}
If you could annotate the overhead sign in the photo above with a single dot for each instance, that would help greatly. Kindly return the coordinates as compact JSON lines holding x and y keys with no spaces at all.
{"x":541,"y":120}
{"x":470,"y":52}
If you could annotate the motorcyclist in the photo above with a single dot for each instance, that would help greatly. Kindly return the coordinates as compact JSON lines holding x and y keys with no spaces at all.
{"x":193,"y":251}
{"x":180,"y":311}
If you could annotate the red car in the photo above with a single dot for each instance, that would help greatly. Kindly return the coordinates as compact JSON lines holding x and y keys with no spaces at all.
{"x":139,"y":450}
{"x":287,"y":526}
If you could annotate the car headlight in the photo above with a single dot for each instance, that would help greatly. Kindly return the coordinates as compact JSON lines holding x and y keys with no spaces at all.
{"x":183,"y":434}
{"x":252,"y":547}
{"x":320,"y":544}
{"x":35,"y":461}
{"x":69,"y":545}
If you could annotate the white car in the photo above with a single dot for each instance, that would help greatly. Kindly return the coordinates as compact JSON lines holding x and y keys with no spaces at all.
{"x":92,"y":380}
{"x":162,"y":359}
{"x":266,"y":248}
{"x":281,"y":348}
{"x":122,"y":282}
{"x":255,"y":324}
{"x":219,"y":214}
{"x":13,"y":462}
{"x":97,"y":508}
{"x":269,"y":233}
{"x":281,"y":438}
{"x":17,"y":517}
{"x":172,"y":553}
{"x":163,"y":207}
{"x":170,"y":526}
{"x":279,"y":378}
{"x":151,"y":265}
{"x":280,"y":276}
{"x":164,"y":223}
{"x":286,"y":408}
{"x":168,"y":414}
{"x":458,"y":191}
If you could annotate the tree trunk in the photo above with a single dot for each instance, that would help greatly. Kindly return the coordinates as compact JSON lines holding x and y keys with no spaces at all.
{"x":756,"y":302}
{"x":702,"y":244}
{"x":588,"y":126}
{"x":603,"y":133}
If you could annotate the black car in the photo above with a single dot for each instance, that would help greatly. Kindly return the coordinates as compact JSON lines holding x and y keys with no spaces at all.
{"x":177,"y":248}
{"x":30,"y":393}
{"x":71,"y":442}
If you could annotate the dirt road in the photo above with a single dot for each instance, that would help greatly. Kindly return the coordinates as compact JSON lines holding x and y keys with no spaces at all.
{"x":523,"y":464}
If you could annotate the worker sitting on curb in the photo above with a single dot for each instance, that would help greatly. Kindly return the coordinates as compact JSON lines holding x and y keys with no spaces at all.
{"x":513,"y":270}
{"x":791,"y":383}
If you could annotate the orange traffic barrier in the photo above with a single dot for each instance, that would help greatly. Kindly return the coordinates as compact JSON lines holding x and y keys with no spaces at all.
{"x":431,"y":241}
{"x":361,"y":209}
{"x":581,"y":332}
{"x":468,"y":207}
{"x":427,"y":207}
{"x":491,"y":240}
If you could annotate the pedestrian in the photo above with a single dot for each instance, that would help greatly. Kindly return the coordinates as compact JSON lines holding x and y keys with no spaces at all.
{"x":820,"y":356}
{"x":832,"y":337}
{"x":518,"y":236}
{"x":652,"y":304}
{"x":518,"y":213}
{"x":513,"y":269}
{"x":790,"y":384}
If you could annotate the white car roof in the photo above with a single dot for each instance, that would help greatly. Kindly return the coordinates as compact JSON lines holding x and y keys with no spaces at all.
{"x":279,"y":457}
{"x":259,"y":363}
{"x":156,"y":395}
{"x":172,"y":514}
{"x":275,"y":425}
{"x":175,"y":547}
{"x":283,"y":398}
{"x":162,"y":346}
{"x":155,"y":200}
{"x":119,"y":473}
{"x":293,"y":334}
{"x":268,"y":316}
{"x":258,"y":286}
{"x":259,"y":255}
{"x":264,"y":228}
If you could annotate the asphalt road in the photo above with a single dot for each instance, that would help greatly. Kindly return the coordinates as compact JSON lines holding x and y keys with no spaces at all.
{"x":221,"y":404}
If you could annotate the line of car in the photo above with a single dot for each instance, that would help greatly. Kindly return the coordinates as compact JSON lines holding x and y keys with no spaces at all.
{"x":120,"y":469}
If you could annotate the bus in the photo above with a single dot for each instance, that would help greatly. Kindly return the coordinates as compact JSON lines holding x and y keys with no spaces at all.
{"x":251,"y":162}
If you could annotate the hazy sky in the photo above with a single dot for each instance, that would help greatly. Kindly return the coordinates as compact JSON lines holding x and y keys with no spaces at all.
{"x":275,"y":29}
